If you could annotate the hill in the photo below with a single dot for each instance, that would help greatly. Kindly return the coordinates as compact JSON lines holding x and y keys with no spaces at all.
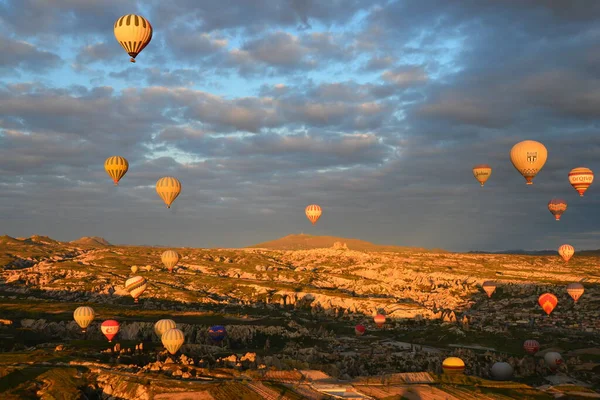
{"x":537,"y":252}
{"x":94,"y":241}
{"x":308,"y":242}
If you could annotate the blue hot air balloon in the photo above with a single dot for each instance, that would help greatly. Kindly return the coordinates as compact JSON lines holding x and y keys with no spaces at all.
{"x":217,"y":333}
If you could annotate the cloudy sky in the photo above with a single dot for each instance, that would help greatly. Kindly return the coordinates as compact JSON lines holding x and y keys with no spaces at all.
{"x":375,"y":110}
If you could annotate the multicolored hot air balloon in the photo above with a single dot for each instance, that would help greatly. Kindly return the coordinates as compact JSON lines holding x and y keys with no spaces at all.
{"x":575,"y":290}
{"x":379,"y":320}
{"x":548,"y":302}
{"x":116,"y":167}
{"x":453,"y":365}
{"x":172,"y":340}
{"x":134,"y":33}
{"x":489,"y":287}
{"x":110,"y":328}
{"x":168,"y":188}
{"x":170,"y":259}
{"x":581,"y":178}
{"x":136,"y":286}
{"x":163,"y":325}
{"x":482,"y":173}
{"x":557,"y":207}
{"x":360,"y":330}
{"x":134,"y":269}
{"x":528,"y":157}
{"x":566,"y":251}
{"x":531,"y":346}
{"x":217,"y":333}
{"x":84,"y":316}
{"x":502,"y":371}
{"x":313,"y":213}
{"x":553,"y":360}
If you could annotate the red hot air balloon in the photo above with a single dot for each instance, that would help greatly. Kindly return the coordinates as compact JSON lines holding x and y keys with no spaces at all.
{"x":557,"y":207}
{"x":379,"y":320}
{"x":581,"y":178}
{"x":360,"y":330}
{"x":548,"y":302}
{"x":110,"y":328}
{"x":531,"y":346}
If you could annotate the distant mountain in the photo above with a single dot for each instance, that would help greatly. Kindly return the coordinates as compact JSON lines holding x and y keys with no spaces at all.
{"x":307,"y":242}
{"x":38,"y":239}
{"x":537,"y":252}
{"x":5,"y":239}
{"x":93,"y":241}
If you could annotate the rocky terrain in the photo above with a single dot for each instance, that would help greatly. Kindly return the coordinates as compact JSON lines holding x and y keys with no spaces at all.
{"x":289,"y":308}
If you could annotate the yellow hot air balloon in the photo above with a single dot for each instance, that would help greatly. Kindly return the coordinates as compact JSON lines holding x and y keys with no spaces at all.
{"x":528,"y":157}
{"x":313,"y":213}
{"x":84,"y":317}
{"x":116,"y":167}
{"x":168,"y":188}
{"x":172,"y":340}
{"x":581,"y":178}
{"x":482,"y":173}
{"x":453,"y":365}
{"x":489,"y":287}
{"x":163,"y":325}
{"x":136,"y":286}
{"x":134,"y":33}
{"x":170,"y":258}
{"x":566,"y":251}
{"x":575,"y":290}
{"x":134,"y":269}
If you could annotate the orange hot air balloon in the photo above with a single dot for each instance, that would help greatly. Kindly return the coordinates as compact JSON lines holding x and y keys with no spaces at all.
{"x":482,"y":173}
{"x":581,"y":178}
{"x":313,"y":213}
{"x":453,"y":365}
{"x":531,"y":346}
{"x":379,"y":320}
{"x":548,"y":302}
{"x":528,"y":157}
{"x":489,"y":287}
{"x":557,"y":207}
{"x":110,"y":328}
{"x":566,"y":251}
{"x":575,"y":290}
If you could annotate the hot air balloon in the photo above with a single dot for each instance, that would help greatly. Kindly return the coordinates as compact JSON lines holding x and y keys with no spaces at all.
{"x":379,"y":320}
{"x":163,"y":325}
{"x":502,"y":371}
{"x":557,"y":207}
{"x":172,"y":340}
{"x":566,"y":251}
{"x":528,"y":157}
{"x":136,"y":286}
{"x":170,"y":258}
{"x":359,"y":330}
{"x":217,"y":333}
{"x":134,"y":33}
{"x":168,"y":188}
{"x":453,"y":365}
{"x":531,"y":346}
{"x":489,"y":287}
{"x":581,"y":178}
{"x":553,"y":360}
{"x":134,"y":269}
{"x":116,"y":167}
{"x":548,"y":302}
{"x":575,"y":290}
{"x":482,"y":173}
{"x":83,"y":316}
{"x":110,"y":328}
{"x":313,"y":213}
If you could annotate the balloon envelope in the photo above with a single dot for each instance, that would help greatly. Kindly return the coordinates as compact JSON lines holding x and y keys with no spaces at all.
{"x":553,"y":359}
{"x":502,"y":371}
{"x":581,"y":178}
{"x":83,"y":316}
{"x":116,"y":167}
{"x":575,"y":290}
{"x":133,"y":32}
{"x":313,"y":213}
{"x":136,"y":286}
{"x":172,"y":340}
{"x":528,"y":157}
{"x":170,"y":259}
{"x":557,"y":207}
{"x":531,"y":346}
{"x":110,"y":328}
{"x":379,"y":320}
{"x":168,"y":188}
{"x":453,"y":365}
{"x":360,"y":330}
{"x":489,"y":287}
{"x":566,"y":251}
{"x":217,"y":333}
{"x":548,"y":302}
{"x":482,"y":173}
{"x":163,"y":325}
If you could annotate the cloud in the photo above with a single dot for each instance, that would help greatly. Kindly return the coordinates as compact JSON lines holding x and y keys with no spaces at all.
{"x":17,"y":54}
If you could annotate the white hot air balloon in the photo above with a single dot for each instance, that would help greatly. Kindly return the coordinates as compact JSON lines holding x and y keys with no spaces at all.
{"x":502,"y":371}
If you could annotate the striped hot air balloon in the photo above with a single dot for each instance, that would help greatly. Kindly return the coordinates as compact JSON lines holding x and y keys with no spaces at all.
{"x":168,"y":188}
{"x":575,"y":290}
{"x":528,"y":157}
{"x":489,"y":287}
{"x":136,"y":286}
{"x":163,"y":325}
{"x":313,"y":213}
{"x":116,"y":167}
{"x":557,"y":207}
{"x":379,"y":320}
{"x":170,"y":259}
{"x":133,"y":32}
{"x":110,"y":328}
{"x":172,"y":340}
{"x":84,"y":316}
{"x":360,"y":330}
{"x":548,"y":302}
{"x":453,"y":365}
{"x":581,"y":178}
{"x":531,"y":346}
{"x":566,"y":251}
{"x":482,"y":173}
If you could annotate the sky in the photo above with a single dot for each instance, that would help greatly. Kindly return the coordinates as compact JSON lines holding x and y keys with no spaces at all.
{"x":375,"y":110}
